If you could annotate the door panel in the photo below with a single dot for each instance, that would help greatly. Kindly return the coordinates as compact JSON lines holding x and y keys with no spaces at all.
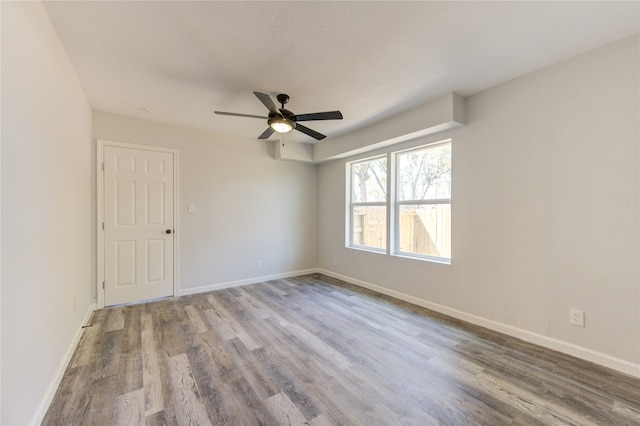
{"x":155,"y":266}
{"x":138,"y":210}
{"x":125,"y":263}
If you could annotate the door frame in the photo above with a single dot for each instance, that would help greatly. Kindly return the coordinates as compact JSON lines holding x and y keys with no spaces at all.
{"x":101,"y":144}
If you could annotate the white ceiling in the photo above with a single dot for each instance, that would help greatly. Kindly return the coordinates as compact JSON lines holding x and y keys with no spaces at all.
{"x":177,"y":62}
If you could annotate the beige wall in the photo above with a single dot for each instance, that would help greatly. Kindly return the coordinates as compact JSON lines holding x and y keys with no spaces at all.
{"x":46,"y":210}
{"x":545,"y":211}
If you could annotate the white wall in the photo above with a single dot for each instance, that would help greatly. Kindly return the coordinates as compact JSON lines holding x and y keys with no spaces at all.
{"x":545,"y":211}
{"x":46,"y":206}
{"x":249,"y":207}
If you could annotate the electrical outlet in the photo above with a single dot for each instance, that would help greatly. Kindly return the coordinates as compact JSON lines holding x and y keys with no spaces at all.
{"x":576,"y":317}
{"x":334,"y":261}
{"x":260,"y":263}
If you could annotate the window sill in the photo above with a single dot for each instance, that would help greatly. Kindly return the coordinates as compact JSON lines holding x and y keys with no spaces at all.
{"x":368,"y":249}
{"x":440,"y":260}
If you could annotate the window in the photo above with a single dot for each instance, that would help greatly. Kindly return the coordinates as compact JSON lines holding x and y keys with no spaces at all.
{"x":423,"y":202}
{"x":368,"y":206}
{"x":419,"y":198}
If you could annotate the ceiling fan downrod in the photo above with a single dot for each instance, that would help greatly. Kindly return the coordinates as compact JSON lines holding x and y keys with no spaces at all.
{"x":283,"y":99}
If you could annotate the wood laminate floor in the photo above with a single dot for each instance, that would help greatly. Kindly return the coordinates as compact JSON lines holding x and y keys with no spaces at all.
{"x":317,"y":351}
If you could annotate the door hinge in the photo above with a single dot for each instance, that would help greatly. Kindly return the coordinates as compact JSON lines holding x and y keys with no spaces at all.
{"x":103,"y":167}
{"x":103,"y":226}
{"x":103,"y":285}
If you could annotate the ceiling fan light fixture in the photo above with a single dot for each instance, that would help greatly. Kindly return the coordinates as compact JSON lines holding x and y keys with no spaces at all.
{"x":281,"y":124}
{"x":282,"y":120}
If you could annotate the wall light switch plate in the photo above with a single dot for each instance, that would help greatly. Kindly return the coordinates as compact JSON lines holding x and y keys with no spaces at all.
{"x":191,"y":208}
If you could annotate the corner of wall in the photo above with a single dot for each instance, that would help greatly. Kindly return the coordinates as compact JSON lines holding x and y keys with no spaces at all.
{"x":59,"y":374}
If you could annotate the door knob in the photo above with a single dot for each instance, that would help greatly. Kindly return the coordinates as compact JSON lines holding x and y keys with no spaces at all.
{"x":168,"y":231}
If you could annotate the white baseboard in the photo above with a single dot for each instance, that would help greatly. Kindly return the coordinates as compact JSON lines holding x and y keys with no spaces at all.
{"x":528,"y":336}
{"x":254,"y":280}
{"x":55,"y":382}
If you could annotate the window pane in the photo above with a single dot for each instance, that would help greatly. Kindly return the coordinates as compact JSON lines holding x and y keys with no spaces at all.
{"x":426,"y":229}
{"x":369,"y":181}
{"x":369,"y":226}
{"x":425,"y":174}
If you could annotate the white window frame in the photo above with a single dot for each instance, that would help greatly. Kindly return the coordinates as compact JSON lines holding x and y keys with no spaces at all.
{"x":398,"y":203}
{"x":392,"y":205}
{"x":351,"y":205}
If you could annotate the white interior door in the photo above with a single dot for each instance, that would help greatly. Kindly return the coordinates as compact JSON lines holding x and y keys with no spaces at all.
{"x":138,"y":224}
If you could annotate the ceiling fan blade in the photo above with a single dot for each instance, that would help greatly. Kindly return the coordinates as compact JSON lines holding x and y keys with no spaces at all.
{"x":267,"y":133}
{"x":310,"y":132}
{"x":239,"y":115}
{"x":329,"y":115}
{"x":268,"y":102}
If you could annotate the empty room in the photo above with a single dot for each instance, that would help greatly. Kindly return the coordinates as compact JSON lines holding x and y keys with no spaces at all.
{"x":320,"y":213}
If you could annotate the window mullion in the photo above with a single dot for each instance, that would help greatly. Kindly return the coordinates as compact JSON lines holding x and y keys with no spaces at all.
{"x":391,"y":247}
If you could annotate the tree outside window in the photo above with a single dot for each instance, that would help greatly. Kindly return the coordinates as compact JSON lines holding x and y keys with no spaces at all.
{"x":369,"y":204}
{"x":423,"y":206}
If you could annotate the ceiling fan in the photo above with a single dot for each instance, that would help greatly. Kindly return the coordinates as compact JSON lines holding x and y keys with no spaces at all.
{"x":282,"y":120}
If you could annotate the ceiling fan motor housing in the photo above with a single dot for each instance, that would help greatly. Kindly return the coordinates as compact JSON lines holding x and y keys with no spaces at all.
{"x":287,"y":114}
